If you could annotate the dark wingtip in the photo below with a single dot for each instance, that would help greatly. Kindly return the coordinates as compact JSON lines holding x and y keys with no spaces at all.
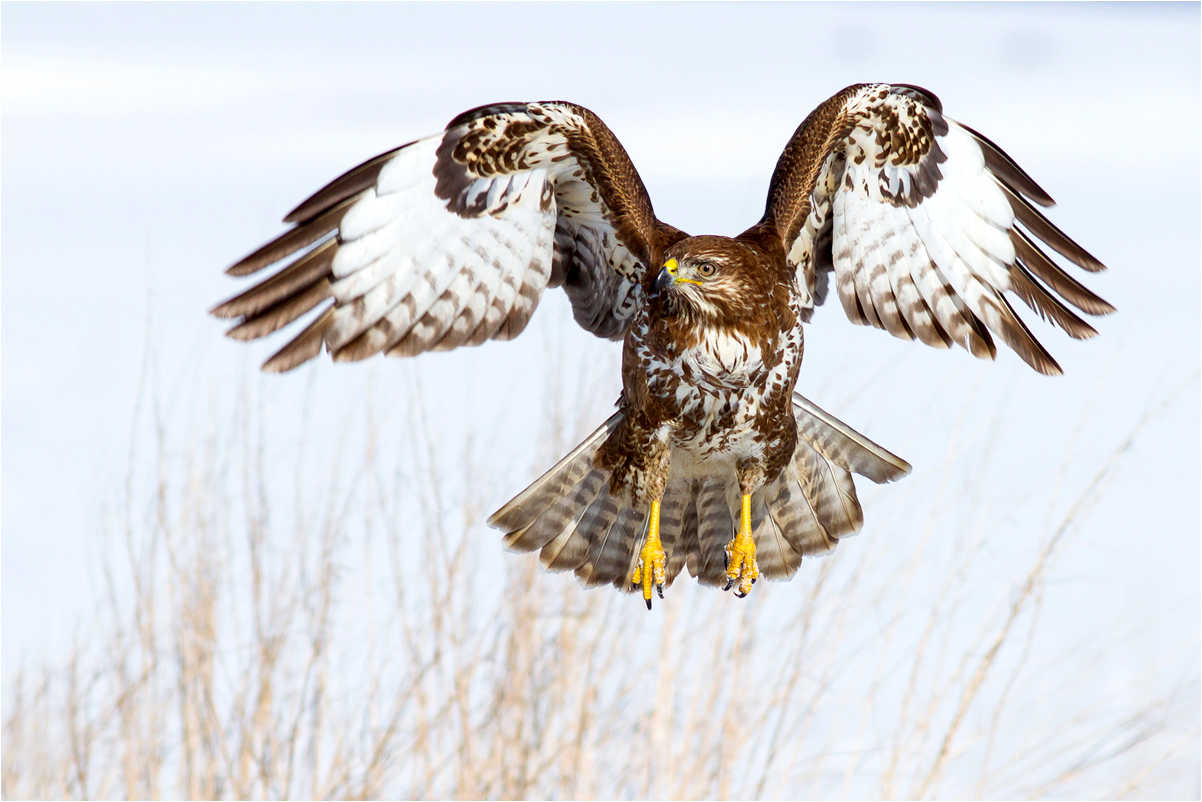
{"x":1006,"y":169}
{"x":302,"y":348}
{"x":297,"y":277}
{"x":352,"y":182}
{"x":292,"y":240}
{"x":1020,"y":339}
{"x":1038,"y":263}
{"x":1043,"y":228}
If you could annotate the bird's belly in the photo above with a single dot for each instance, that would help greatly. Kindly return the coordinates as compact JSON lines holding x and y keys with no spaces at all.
{"x":719,"y":425}
{"x":718,"y":392}
{"x":720,"y":400}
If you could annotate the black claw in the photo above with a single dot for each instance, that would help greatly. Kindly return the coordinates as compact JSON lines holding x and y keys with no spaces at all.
{"x":756,"y":579}
{"x":648,"y":604}
{"x":660,"y":590}
{"x":730,"y":583}
{"x":740,"y":594}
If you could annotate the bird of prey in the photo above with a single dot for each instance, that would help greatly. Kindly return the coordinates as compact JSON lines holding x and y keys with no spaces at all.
{"x":711,"y":461}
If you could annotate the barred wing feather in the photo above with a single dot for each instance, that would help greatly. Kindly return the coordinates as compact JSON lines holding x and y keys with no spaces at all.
{"x":451,"y":240}
{"x":925,"y":224}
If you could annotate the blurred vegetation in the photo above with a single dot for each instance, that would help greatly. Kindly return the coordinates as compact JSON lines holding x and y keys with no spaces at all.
{"x":283,"y":619}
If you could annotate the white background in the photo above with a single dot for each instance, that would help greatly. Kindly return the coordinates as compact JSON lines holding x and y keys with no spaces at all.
{"x":148,"y":146}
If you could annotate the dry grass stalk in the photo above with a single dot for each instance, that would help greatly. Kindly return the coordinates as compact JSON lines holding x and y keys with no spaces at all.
{"x":363,"y":638}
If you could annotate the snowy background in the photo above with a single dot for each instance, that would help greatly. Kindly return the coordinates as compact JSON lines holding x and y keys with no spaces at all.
{"x":146,"y":147}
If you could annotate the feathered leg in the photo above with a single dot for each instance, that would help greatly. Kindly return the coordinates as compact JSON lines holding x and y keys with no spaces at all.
{"x":637,"y":454}
{"x":741,"y":568}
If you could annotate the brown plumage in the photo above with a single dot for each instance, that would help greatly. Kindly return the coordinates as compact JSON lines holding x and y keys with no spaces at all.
{"x":712,"y":463}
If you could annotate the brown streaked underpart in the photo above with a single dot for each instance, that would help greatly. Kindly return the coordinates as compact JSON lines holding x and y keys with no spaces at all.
{"x":709,"y":366}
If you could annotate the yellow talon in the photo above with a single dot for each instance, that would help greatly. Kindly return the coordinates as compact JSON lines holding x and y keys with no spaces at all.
{"x":740,"y":555}
{"x":650,"y":569}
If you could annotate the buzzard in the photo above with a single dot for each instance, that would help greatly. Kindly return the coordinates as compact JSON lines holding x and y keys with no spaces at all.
{"x":711,"y":461}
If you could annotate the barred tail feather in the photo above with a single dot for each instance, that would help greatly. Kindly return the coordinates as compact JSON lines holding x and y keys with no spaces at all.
{"x":572,"y":518}
{"x":715,"y":528}
{"x":843,"y":445}
{"x":777,"y":557}
{"x":794,"y":516}
{"x":813,"y":502}
{"x":567,"y":549}
{"x":829,"y":490}
{"x":528,"y":505}
{"x":612,"y":555}
{"x":593,"y":532}
{"x":677,"y":525}
{"x":810,"y":506}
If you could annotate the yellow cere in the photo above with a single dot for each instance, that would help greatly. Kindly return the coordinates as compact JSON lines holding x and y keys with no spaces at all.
{"x":671,"y":266}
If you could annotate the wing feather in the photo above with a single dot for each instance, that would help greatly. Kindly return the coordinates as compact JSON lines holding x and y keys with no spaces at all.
{"x":861,"y":275}
{"x":450,"y":240}
{"x":302,"y":347}
{"x":281,"y":314}
{"x":845,"y":276}
{"x":928,"y":224}
{"x":292,"y":241}
{"x":1006,"y":170}
{"x":918,"y":318}
{"x":299,"y":276}
{"x":1042,"y":228}
{"x":1035,"y":296}
{"x":1061,"y":282}
{"x":347,"y":185}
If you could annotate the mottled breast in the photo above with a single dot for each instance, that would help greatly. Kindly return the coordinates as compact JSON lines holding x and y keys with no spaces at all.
{"x":718,"y":386}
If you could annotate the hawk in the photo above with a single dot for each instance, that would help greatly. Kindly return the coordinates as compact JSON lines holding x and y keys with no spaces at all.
{"x":712,"y":462}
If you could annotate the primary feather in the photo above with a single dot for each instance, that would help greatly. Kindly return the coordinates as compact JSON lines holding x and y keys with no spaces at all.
{"x":927,"y":227}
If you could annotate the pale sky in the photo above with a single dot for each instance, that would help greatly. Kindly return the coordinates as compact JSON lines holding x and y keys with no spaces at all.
{"x":148,"y":146}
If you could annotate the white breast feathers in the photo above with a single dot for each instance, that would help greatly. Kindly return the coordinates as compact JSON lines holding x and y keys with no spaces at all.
{"x":725,"y":359}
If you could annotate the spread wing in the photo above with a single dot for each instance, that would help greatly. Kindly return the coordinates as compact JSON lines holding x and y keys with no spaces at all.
{"x":926,"y":225}
{"x":451,"y":240}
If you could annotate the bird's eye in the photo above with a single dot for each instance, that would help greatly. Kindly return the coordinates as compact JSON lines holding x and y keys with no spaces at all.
{"x":706,"y":269}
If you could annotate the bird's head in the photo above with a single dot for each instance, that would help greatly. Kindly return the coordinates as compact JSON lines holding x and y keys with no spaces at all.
{"x":712,"y":280}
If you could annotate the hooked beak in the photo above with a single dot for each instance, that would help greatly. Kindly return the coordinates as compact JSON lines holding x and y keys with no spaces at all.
{"x":662,"y":282}
{"x":666,"y":277}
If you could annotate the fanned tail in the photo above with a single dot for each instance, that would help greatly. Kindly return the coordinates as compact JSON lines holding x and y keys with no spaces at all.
{"x":843,"y":444}
{"x":804,"y":511}
{"x":572,"y":518}
{"x":813,"y":502}
{"x":525,"y":509}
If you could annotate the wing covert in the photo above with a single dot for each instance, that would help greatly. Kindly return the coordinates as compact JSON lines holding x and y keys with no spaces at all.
{"x":925,"y":224}
{"x":451,"y":240}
